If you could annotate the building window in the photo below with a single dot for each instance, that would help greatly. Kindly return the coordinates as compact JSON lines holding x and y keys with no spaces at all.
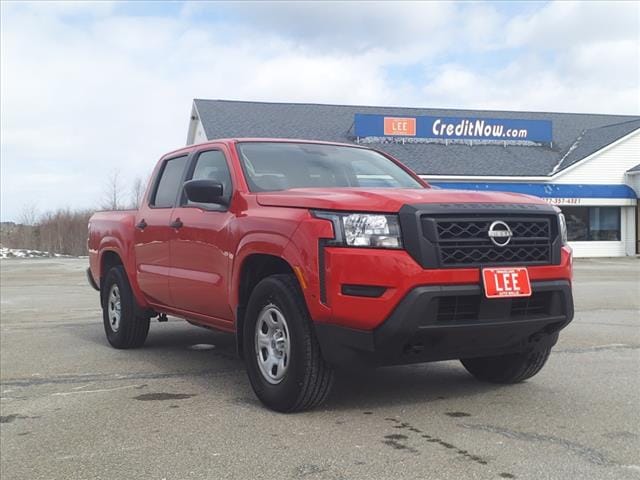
{"x":586,"y":224}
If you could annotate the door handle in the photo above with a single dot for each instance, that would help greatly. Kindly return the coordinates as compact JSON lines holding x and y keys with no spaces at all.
{"x":141,"y":224}
{"x":177,"y":223}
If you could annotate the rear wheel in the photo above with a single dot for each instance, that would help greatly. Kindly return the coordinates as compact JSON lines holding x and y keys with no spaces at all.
{"x":282,"y":356}
{"x":511,"y":368}
{"x":124,"y":329}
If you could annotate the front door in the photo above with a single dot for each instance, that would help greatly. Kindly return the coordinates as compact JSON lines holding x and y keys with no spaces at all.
{"x":153,"y":232}
{"x":200,"y":246}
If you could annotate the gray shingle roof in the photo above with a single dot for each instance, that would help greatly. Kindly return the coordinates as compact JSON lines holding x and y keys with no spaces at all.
{"x":634,"y":169}
{"x":575,"y":136}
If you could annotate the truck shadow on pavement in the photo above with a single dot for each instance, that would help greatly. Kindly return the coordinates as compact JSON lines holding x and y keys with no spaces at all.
{"x":404,"y":385}
{"x":177,"y":349}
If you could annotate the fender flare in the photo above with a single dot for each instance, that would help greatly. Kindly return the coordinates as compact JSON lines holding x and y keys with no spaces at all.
{"x":115,"y":245}
{"x":262,"y":243}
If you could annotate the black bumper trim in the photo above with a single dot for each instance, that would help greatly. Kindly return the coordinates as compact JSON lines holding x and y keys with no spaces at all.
{"x":412,"y":334}
{"x":370,"y":291}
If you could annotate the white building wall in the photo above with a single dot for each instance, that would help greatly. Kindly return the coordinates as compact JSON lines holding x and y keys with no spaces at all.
{"x":629,"y":229}
{"x":198,"y":134}
{"x":608,"y":166}
{"x":195,"y":133}
{"x":598,"y":249}
{"x":634,"y":182}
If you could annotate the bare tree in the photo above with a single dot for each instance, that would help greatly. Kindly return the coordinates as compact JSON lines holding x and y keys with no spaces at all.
{"x":61,"y":231}
{"x":64,"y":231}
{"x":113,"y":192}
{"x":26,"y":234}
{"x":137,"y":192}
{"x":29,"y":214}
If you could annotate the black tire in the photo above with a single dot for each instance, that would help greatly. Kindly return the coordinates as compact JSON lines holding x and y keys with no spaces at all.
{"x":132,"y":329}
{"x":511,"y":368}
{"x":307,"y":379}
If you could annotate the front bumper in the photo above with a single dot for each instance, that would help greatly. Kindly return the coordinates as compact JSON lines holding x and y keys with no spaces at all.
{"x":445,"y":322}
{"x":397,"y":274}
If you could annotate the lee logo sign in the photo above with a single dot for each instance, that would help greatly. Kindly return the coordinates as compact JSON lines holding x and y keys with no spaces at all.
{"x":400,"y":126}
{"x":506,"y":282}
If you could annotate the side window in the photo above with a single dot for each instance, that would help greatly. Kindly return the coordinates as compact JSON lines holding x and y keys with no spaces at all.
{"x":170,"y":183}
{"x":212,"y":165}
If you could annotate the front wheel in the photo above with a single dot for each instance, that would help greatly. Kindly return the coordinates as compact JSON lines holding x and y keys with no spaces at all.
{"x":511,"y":368}
{"x":283,"y":359}
{"x":124,"y":329}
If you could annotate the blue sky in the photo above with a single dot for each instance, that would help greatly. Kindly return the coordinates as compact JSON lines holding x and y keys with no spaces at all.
{"x":92,"y":88}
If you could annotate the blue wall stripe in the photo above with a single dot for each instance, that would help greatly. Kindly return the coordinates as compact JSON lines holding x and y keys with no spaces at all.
{"x":546,"y":190}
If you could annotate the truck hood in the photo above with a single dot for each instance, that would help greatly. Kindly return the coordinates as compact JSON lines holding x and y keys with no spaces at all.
{"x":387,"y":200}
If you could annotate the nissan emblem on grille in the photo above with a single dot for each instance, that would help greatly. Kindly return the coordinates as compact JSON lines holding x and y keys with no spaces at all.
{"x":500,"y":233}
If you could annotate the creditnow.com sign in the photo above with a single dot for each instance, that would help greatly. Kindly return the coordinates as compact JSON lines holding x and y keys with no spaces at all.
{"x":431,"y":127}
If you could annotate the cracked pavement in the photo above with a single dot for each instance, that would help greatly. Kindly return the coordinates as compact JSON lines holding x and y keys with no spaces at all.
{"x":181,"y":407}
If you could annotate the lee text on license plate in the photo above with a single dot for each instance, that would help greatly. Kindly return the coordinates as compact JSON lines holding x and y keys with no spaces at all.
{"x":506,"y":282}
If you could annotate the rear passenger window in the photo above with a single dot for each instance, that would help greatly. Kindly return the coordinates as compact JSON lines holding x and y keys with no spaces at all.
{"x":212,"y":165}
{"x":170,"y":183}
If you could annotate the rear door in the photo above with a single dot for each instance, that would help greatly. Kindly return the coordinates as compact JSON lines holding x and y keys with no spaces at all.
{"x":200,"y":247}
{"x":153,"y":231}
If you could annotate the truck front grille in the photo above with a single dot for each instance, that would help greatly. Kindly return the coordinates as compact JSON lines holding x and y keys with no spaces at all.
{"x":466,"y":242}
{"x":456,"y":235}
{"x":458,"y":308}
{"x":528,"y":307}
{"x":455,"y":309}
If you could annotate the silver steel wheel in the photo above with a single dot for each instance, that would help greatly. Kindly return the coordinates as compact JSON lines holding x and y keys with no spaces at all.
{"x":114,"y":308}
{"x":272,"y":344}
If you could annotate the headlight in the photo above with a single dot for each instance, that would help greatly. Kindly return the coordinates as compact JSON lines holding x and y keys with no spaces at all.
{"x":364,"y":229}
{"x":563,"y":228}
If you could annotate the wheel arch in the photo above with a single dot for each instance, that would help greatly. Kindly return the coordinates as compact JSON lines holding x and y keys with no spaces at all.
{"x":254,"y":268}
{"x":111,"y":257}
{"x":108,"y":260}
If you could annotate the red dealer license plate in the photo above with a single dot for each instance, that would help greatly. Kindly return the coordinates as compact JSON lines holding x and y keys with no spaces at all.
{"x":506,"y":282}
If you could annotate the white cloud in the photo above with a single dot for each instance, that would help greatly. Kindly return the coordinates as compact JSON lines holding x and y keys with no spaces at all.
{"x":559,"y":25}
{"x":346,"y":26}
{"x":69,"y":8}
{"x":86,"y":88}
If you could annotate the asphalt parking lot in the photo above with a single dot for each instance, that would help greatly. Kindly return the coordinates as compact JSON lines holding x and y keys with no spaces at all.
{"x":182,"y":408}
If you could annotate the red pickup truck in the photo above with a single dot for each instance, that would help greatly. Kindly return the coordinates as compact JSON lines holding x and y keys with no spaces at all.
{"x":321,"y":255}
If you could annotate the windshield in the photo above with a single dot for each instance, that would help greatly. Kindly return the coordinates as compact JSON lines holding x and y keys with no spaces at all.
{"x":271,"y":166}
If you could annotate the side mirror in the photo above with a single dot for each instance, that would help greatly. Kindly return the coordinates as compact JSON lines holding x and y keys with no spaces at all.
{"x":204,"y":191}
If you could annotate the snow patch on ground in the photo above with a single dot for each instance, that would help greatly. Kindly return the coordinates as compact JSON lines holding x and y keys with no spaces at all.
{"x":26,"y":253}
